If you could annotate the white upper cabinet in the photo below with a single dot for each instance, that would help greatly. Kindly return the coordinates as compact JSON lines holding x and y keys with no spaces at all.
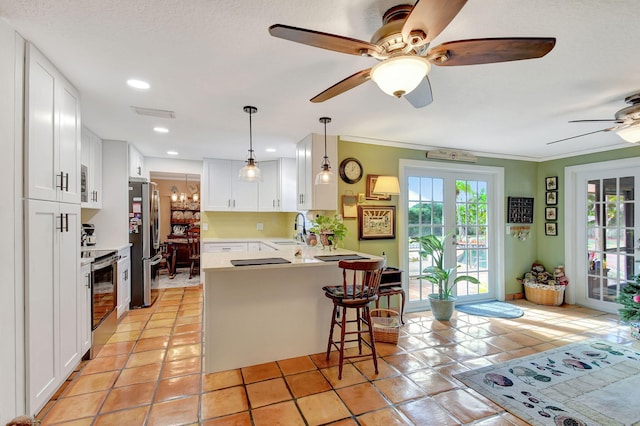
{"x":52,"y":132}
{"x":309,"y":156}
{"x":223,"y":191}
{"x":91,"y":170}
{"x":277,"y":190}
{"x":136,"y":162}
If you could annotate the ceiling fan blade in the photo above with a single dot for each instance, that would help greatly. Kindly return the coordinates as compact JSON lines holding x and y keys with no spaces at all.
{"x":490,"y":50}
{"x":323,"y":40}
{"x":584,"y":134}
{"x":611,"y":120}
{"x":431,"y":17}
{"x":421,"y":96}
{"x":348,"y":83}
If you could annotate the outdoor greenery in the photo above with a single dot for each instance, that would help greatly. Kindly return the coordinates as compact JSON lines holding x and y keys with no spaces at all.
{"x":630,"y":312}
{"x":431,"y":245}
{"x":332,"y":226}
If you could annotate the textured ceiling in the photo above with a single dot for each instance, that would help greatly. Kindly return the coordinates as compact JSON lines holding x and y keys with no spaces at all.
{"x":206,"y":59}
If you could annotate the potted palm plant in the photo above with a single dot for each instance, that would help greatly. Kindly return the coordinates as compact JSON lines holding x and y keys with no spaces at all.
{"x":331,"y":230}
{"x":443,"y":302}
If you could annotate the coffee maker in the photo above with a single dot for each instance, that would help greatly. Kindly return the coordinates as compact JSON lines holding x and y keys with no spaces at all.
{"x":88,"y":237}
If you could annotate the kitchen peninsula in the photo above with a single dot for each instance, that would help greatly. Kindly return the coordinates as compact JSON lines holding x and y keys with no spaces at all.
{"x":255,"y":314}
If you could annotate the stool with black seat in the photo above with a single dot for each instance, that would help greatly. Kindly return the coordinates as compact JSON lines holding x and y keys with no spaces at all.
{"x":360,"y":283}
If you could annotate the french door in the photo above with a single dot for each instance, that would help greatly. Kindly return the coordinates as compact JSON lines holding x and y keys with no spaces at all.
{"x":460,"y":201}
{"x":605,"y":233}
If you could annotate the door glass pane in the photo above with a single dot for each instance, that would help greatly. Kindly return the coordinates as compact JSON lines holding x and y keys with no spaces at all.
{"x":472,"y":247}
{"x":610,"y":236}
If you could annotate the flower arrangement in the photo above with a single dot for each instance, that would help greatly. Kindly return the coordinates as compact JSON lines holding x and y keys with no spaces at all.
{"x":332,"y":227}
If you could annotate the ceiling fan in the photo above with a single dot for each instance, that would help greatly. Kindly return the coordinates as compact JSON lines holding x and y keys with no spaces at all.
{"x":627,"y":122}
{"x":402,"y":47}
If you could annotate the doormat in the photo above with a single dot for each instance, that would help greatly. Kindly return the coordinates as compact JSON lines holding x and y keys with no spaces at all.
{"x":491,"y":309}
{"x":586,"y":383}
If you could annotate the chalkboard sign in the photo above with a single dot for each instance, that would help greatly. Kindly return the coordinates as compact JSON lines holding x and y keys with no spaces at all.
{"x":520,"y":210}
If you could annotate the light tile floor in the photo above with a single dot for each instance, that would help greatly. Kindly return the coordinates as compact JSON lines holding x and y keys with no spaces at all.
{"x":150,"y":372}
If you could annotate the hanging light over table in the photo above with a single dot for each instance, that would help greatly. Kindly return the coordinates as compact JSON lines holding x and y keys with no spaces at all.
{"x":250,"y":172}
{"x":325,"y":176}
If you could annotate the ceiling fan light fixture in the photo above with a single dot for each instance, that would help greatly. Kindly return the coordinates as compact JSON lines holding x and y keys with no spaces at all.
{"x":250,"y":172}
{"x":400,"y":75}
{"x":630,"y":133}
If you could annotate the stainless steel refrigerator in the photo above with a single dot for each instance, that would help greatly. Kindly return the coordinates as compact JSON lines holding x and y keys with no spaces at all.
{"x":144,"y":237}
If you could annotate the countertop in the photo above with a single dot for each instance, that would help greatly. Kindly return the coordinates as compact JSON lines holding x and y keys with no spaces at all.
{"x":298,"y":255}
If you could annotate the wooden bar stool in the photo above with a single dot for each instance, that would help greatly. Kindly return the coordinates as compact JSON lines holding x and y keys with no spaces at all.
{"x":360,"y":282}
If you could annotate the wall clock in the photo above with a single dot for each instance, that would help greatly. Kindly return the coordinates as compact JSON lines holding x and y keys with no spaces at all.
{"x":351,"y":170}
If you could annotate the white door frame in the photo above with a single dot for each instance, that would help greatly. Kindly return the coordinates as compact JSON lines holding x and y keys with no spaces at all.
{"x":573,"y":241}
{"x":496,"y":218}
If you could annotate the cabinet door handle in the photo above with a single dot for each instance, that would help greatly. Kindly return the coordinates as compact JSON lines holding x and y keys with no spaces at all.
{"x":66,"y":180}
{"x":88,"y":281}
{"x":139,"y":170}
{"x":229,"y":203}
{"x":66,"y":222}
{"x":61,"y":176}
{"x":274,"y":203}
{"x":234,"y":203}
{"x":61,"y":228}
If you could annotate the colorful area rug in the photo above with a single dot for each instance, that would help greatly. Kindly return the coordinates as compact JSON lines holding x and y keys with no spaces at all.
{"x":491,"y":309}
{"x":586,"y":383}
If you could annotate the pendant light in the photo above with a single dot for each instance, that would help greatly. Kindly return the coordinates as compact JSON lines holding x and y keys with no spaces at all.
{"x":250,"y":172}
{"x":326,"y":176}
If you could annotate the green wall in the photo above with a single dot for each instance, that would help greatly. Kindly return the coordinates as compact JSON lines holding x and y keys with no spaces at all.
{"x":520,"y":180}
{"x":551,"y":249}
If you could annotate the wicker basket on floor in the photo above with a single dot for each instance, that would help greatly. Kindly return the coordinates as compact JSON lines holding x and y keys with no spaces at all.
{"x":542,"y":294}
{"x":386,"y":325}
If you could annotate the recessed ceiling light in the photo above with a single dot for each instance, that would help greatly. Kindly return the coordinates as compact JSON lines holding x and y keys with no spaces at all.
{"x":138,"y":84}
{"x":161,"y":129}
{"x":172,"y":152}
{"x":270,"y":150}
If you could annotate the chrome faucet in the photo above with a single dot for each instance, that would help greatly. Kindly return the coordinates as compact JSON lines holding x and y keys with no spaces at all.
{"x":300,"y":236}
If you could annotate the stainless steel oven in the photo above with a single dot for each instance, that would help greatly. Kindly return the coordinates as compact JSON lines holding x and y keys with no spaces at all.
{"x":104,"y":273}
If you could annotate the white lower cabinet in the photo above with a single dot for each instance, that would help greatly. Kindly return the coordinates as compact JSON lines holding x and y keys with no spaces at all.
{"x":53,"y":295}
{"x":84,"y":308}
{"x":124,"y":282}
{"x":223,"y":247}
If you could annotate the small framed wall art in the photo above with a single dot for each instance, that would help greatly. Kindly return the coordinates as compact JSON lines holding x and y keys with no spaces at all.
{"x":551,"y":228}
{"x":552,"y":198}
{"x":371,"y":183}
{"x":551,"y":213}
{"x":520,"y":210}
{"x":551,"y":183}
{"x":376,"y":222}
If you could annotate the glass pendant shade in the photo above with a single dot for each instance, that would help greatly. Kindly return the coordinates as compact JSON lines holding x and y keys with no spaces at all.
{"x":326,"y":176}
{"x":630,"y":133}
{"x":400,"y":75}
{"x":250,"y":172}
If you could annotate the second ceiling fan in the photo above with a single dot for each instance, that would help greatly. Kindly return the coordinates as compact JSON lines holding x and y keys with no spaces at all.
{"x":402,"y":47}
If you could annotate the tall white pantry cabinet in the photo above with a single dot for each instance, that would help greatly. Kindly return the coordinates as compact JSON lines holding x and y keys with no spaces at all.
{"x":54,"y":292}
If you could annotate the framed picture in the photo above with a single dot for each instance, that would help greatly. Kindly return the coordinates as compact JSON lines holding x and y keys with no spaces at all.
{"x":376,"y":222}
{"x":552,"y":198}
{"x":551,"y":183}
{"x":551,"y":213}
{"x":371,"y":183}
{"x":349,"y":206}
{"x":550,"y":228}
{"x":520,"y":210}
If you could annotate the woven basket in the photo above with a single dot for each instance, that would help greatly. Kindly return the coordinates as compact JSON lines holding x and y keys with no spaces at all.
{"x":542,"y":294}
{"x":386,"y":325}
